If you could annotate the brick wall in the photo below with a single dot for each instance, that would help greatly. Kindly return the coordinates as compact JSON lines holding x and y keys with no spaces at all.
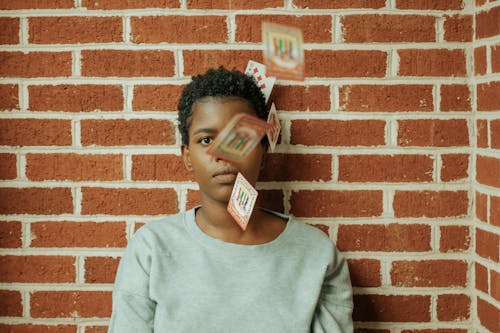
{"x":390,"y":145}
{"x":486,"y":81}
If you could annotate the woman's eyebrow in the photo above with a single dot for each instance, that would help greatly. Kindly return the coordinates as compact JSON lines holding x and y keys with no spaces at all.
{"x":205,"y":130}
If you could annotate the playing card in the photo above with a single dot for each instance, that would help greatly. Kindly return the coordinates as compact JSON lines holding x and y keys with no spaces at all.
{"x":274,"y":127}
{"x":242,"y":201}
{"x":283,"y":51}
{"x":258,"y":72}
{"x":238,"y":138}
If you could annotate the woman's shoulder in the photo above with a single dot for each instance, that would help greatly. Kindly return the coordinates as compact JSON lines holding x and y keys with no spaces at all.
{"x":161,"y":230}
{"x":302,"y":232}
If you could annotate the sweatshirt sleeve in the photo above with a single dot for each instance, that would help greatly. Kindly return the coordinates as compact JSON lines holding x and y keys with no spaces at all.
{"x":333,"y":312}
{"x":133,"y":310}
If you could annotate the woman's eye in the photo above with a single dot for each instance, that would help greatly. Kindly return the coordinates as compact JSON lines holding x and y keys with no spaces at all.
{"x":206,"y":141}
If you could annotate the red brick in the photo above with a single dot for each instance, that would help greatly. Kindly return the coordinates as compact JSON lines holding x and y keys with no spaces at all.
{"x":297,"y":167}
{"x":480,"y":60}
{"x":495,"y":133}
{"x":455,"y":97}
{"x":429,"y":273}
{"x":495,"y":58}
{"x":480,"y":2}
{"x":388,"y":28}
{"x":488,"y":170}
{"x":481,"y":278}
{"x":10,"y":30}
{"x":8,"y":166}
{"x":35,"y":132}
{"x":100,"y":269}
{"x":488,"y":23}
{"x":96,"y":329}
{"x":75,"y":29}
{"x":454,"y":167}
{"x":346,"y":132}
{"x":453,"y":307}
{"x":495,"y":284}
{"x":430,"y":4}
{"x":120,"y":4}
{"x":74,"y":167}
{"x":458,"y":28}
{"x":327,"y":4}
{"x":365,"y":272}
{"x":43,"y":201}
{"x":128,"y":201}
{"x":233,"y":4}
{"x":36,"y":4}
{"x":488,"y":314}
{"x":385,"y":168}
{"x":271,"y":199}
{"x":326,"y":203}
{"x":392,"y":308}
{"x":433,"y":132}
{"x":198,"y":61}
{"x":156,"y":97}
{"x":11,"y":304}
{"x":430,"y":203}
{"x":125,"y":63}
{"x":10,"y":234}
{"x":30,"y":328}
{"x":70,"y":304}
{"x":495,"y":211}
{"x":387,"y":238}
{"x":9,"y":97}
{"x":78,"y":234}
{"x":454,"y":238}
{"x":301,"y":98}
{"x":487,"y":96}
{"x":122,"y":132}
{"x":481,"y":206}
{"x":179,"y":29}
{"x":386,"y":98}
{"x":482,"y":133}
{"x":345,"y":63}
{"x":33,"y":269}
{"x":160,"y":167}
{"x":315,"y":28}
{"x":432,"y":62}
{"x":193,"y":199}
{"x":76,"y":98}
{"x":35,"y":64}
{"x":487,"y":244}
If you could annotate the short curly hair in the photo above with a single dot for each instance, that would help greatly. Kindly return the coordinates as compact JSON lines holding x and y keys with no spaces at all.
{"x":218,"y":83}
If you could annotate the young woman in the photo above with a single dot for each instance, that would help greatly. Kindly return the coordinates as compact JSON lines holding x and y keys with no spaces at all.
{"x":198,"y":271}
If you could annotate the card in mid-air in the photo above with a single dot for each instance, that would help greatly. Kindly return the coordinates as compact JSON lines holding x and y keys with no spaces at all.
{"x":239,"y":137}
{"x":242,"y":201}
{"x":283,"y":51}
{"x":273,"y":132}
{"x":258,"y":72}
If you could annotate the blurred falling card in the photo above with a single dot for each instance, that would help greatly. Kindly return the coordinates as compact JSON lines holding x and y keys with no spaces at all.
{"x":283,"y":51}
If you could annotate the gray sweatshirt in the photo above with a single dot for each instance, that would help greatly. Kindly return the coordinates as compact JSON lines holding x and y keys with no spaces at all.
{"x":175,"y":278}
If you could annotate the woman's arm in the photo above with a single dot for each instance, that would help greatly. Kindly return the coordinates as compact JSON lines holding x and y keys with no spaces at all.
{"x":133,"y":310}
{"x":334,"y":310}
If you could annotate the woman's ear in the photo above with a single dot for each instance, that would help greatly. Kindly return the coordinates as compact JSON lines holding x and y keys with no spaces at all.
{"x":186,"y":157}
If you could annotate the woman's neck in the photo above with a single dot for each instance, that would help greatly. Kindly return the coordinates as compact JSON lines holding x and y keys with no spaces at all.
{"x":215,"y":221}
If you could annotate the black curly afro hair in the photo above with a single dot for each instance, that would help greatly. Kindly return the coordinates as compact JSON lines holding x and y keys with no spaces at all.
{"x":219,"y":83}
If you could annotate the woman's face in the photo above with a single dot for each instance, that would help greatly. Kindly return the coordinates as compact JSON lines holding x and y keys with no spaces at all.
{"x":215,"y":176}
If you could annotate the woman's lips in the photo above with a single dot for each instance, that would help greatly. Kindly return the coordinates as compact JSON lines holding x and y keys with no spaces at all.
{"x":225,"y":178}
